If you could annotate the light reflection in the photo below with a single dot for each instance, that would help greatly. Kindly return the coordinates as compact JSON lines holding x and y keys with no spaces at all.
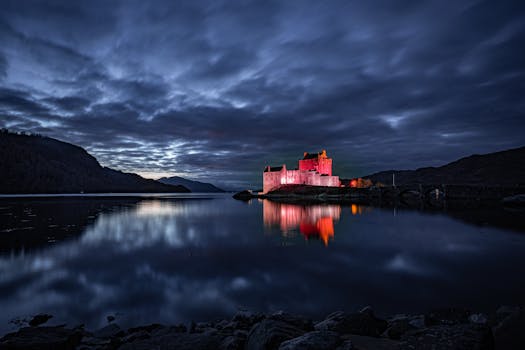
{"x":172,"y":261}
{"x":150,"y":208}
{"x":149,"y":223}
{"x":313,"y":221}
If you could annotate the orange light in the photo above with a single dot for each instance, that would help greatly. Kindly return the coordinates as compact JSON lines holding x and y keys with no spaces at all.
{"x":325,"y":227}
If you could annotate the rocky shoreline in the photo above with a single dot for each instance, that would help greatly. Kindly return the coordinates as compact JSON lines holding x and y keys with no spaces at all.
{"x":434,"y":195}
{"x":451,"y":328}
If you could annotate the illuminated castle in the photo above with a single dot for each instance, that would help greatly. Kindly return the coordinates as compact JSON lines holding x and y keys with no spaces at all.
{"x":314,"y":169}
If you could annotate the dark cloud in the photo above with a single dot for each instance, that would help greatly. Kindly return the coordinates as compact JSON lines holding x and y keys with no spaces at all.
{"x":68,"y":103}
{"x":217,"y":90}
{"x":19,"y":101}
{"x":3,"y":66}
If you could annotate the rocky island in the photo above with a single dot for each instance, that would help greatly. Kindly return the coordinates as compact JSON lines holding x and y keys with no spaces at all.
{"x":496,"y":177}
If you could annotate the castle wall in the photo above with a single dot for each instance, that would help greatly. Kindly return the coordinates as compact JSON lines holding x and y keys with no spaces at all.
{"x":272,"y":179}
{"x":330,"y":181}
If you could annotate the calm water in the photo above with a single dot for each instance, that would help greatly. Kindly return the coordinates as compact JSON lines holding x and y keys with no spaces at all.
{"x":203,"y":257}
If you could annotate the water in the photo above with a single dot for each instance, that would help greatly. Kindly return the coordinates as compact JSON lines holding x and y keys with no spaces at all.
{"x":173,"y":259}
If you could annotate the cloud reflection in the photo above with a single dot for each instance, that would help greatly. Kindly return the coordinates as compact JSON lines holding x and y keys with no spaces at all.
{"x":179,"y":260}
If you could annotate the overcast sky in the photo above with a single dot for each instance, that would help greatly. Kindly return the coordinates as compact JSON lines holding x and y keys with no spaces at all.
{"x":215,"y":90}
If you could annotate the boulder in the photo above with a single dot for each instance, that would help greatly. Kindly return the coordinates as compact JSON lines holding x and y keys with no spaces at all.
{"x":43,"y":338}
{"x":401,"y":324}
{"x":516,"y":200}
{"x":360,"y":342}
{"x":347,"y":345}
{"x":39,"y":319}
{"x":447,"y":316}
{"x":269,"y":334}
{"x":316,"y":340}
{"x":509,"y":332}
{"x":296,"y":320}
{"x":503,"y":311}
{"x":457,"y":336}
{"x":397,"y":327}
{"x":176,"y":341}
{"x":89,"y":342}
{"x":245,"y":320}
{"x":149,"y":328}
{"x":112,"y":330}
{"x":361,"y":323}
{"x":138,"y":335}
{"x":478,"y":319}
{"x":204,"y":327}
{"x":232,"y":343}
{"x":163,"y":330}
{"x":417,"y":321}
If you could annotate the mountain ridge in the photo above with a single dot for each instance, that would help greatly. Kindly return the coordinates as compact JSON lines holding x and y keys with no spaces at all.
{"x":39,"y":164}
{"x":192,"y":185}
{"x":505,"y":168}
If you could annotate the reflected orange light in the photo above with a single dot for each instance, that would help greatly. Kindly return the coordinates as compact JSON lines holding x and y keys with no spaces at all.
{"x":359,"y":209}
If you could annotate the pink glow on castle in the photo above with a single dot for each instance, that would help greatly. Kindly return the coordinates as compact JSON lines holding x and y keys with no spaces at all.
{"x":315,"y":169}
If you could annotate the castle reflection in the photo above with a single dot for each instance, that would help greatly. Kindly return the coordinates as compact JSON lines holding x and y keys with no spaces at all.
{"x":313,"y":221}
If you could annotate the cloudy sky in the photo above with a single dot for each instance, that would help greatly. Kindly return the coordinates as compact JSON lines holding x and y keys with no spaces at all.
{"x":215,"y":90}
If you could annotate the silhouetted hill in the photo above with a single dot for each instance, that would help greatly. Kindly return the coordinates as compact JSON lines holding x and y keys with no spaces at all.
{"x":504,"y":168}
{"x":36,"y":164}
{"x":193,"y":186}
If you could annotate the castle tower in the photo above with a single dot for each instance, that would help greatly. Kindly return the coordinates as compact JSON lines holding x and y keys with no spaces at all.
{"x":318,"y":162}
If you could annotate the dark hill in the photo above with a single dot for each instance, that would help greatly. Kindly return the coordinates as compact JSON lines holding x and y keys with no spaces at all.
{"x":505,"y":168}
{"x":193,"y":186}
{"x":36,"y":164}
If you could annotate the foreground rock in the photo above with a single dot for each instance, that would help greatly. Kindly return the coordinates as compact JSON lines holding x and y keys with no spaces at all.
{"x":44,"y":338}
{"x":176,"y":341}
{"x":459,"y":337}
{"x":451,"y":328}
{"x":361,"y":323}
{"x":509,"y":332}
{"x":316,"y":340}
{"x":269,"y":334}
{"x":516,"y":200}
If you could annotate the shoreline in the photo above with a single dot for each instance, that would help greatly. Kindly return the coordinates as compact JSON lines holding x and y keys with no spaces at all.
{"x":447,"y":328}
{"x":410,"y":195}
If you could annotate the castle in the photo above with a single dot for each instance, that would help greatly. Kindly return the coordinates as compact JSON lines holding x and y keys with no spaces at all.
{"x":314,"y":169}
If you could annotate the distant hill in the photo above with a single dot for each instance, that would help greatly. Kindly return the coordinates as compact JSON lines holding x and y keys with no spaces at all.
{"x":504,"y":168}
{"x":36,"y":164}
{"x":194,"y":186}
